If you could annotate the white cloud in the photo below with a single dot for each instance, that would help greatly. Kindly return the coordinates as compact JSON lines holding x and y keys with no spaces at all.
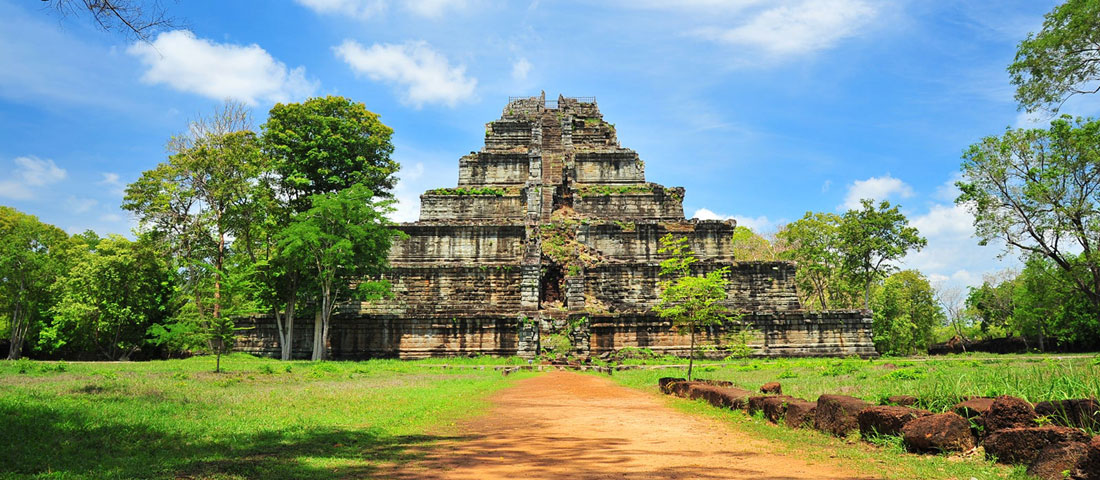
{"x":425,"y":75}
{"x":875,"y":188}
{"x":434,"y":8}
{"x":368,"y":9}
{"x":113,"y":182}
{"x":761,"y":224}
{"x":953,"y":255}
{"x":219,"y":70}
{"x":793,"y":28}
{"x":361,"y":9}
{"x":30,"y":172}
{"x":81,"y":205}
{"x":520,"y":69}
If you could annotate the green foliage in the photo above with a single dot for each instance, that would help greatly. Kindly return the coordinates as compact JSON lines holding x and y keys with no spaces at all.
{"x":1034,"y":189}
{"x":464,"y":191}
{"x":344,"y":236}
{"x":605,"y":190}
{"x":690,"y":302}
{"x":109,"y":298}
{"x":873,"y":238}
{"x":1060,"y":61}
{"x":327,"y":144}
{"x":32,"y":256}
{"x":751,"y":247}
{"x":905,"y":311}
{"x":813,"y":242}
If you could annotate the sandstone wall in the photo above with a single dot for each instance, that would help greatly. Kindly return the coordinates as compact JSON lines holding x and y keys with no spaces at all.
{"x":639,"y":242}
{"x":459,"y":244}
{"x":658,"y":205}
{"x":442,"y":289}
{"x":355,"y":337}
{"x":384,"y":336}
{"x":492,"y":169}
{"x":471,"y":207}
{"x":617,"y":167}
{"x":778,"y":334}
{"x":754,"y":286}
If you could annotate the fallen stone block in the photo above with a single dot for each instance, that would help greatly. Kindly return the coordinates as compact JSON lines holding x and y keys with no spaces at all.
{"x":973,"y":407}
{"x":836,"y":414}
{"x":886,"y":420}
{"x":718,"y":383}
{"x":1009,"y":412}
{"x":1055,"y":459}
{"x":901,"y":400}
{"x":730,"y":397}
{"x":680,"y":389}
{"x":800,"y":413}
{"x":775,"y":407}
{"x":1088,"y":466}
{"x":944,"y":432}
{"x":773,"y":388}
{"x":664,"y":382}
{"x":1078,"y":412}
{"x":1023,"y":444}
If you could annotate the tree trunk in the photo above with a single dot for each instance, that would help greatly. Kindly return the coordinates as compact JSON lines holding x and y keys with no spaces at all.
{"x":691,"y":354}
{"x":15,"y":350}
{"x":317,"y":339}
{"x":218,"y":260}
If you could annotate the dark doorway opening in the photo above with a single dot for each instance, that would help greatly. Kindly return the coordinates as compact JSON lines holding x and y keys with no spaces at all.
{"x":550,"y":286}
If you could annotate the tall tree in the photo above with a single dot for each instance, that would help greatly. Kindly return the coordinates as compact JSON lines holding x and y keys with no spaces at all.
{"x":203,"y":199}
{"x":1060,"y":61}
{"x":691,"y":302}
{"x":345,"y":237}
{"x":32,"y":256}
{"x":317,"y":147}
{"x":813,"y":242}
{"x":905,"y":312}
{"x":1039,"y":191}
{"x":872,"y":239}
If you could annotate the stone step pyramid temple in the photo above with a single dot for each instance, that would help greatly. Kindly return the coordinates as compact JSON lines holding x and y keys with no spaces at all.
{"x":553,"y":231}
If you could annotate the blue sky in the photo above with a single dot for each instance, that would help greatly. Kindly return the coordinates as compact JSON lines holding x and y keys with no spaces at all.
{"x":762,"y":109}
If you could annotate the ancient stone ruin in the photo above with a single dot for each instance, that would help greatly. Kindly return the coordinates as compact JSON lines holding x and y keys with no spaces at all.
{"x":552,"y":234}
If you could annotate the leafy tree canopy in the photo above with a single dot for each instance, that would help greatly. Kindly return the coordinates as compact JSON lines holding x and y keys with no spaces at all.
{"x":326,"y":144}
{"x":1060,"y":61}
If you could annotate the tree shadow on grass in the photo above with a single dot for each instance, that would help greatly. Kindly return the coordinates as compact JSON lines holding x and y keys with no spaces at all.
{"x":43,"y":442}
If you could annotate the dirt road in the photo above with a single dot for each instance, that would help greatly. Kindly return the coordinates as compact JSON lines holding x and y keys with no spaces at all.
{"x":566,"y":425}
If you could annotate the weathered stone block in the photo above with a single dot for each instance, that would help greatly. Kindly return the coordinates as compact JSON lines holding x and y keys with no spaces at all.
{"x":886,"y":420}
{"x":1023,"y":444}
{"x":1009,"y":412}
{"x":1054,"y":460}
{"x":944,"y":432}
{"x":800,"y":414}
{"x":837,"y":414}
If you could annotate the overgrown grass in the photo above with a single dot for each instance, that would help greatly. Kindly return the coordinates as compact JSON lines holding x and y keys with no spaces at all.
{"x":888,"y":461}
{"x":261,"y":419}
{"x":938,"y":382}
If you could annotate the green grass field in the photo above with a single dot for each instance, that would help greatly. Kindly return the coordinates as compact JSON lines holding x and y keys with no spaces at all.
{"x":938,"y":382}
{"x":261,"y":419}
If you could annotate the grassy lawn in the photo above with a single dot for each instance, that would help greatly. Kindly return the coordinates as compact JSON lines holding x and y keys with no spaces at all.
{"x":938,"y":382}
{"x":261,"y":419}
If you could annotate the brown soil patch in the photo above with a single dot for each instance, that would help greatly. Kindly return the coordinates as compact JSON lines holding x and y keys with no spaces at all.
{"x":568,"y":425}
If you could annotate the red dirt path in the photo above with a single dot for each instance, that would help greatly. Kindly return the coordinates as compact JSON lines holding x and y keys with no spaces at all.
{"x":565,"y":425}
